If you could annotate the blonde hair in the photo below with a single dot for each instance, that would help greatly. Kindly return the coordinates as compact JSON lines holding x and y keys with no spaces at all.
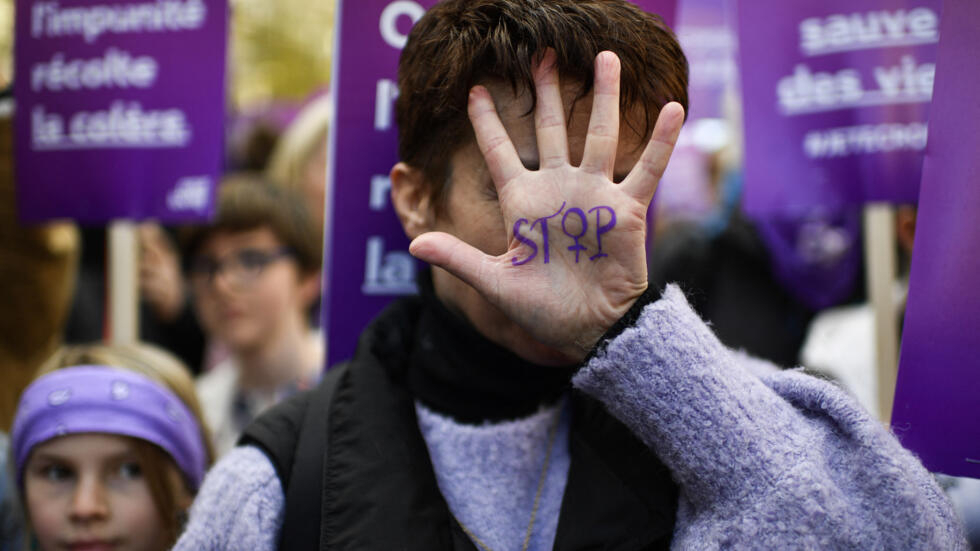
{"x":170,"y":491}
{"x":298,"y":143}
{"x":150,"y":361}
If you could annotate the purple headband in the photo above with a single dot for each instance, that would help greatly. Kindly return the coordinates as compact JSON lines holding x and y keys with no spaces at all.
{"x":102,"y":399}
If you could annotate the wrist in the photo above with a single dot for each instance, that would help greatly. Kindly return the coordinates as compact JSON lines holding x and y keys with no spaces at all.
{"x":627,"y":320}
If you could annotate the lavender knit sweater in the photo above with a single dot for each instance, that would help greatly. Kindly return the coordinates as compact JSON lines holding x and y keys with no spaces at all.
{"x":764,"y":459}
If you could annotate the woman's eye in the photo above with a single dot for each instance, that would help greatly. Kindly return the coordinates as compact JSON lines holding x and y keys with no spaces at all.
{"x":253,"y":259}
{"x":130,"y":470}
{"x":56,"y":473}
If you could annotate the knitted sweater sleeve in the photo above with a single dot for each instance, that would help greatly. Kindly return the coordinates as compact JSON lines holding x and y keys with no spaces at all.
{"x":764,"y":459}
{"x":239,"y":506}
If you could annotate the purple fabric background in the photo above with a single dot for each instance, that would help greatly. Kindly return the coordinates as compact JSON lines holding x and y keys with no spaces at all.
{"x":706,"y":32}
{"x":97,"y":184}
{"x":779,"y":174}
{"x":366,"y":258}
{"x":938,"y":395}
{"x":816,"y":258}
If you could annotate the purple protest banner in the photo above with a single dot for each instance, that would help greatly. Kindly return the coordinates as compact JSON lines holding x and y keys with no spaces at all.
{"x":120,"y":106}
{"x":707,"y":35}
{"x":835,"y":97}
{"x":687,"y":190}
{"x":937,"y":399}
{"x":366,"y":259}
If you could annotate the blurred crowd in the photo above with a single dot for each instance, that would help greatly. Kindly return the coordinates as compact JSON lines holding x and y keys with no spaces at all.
{"x":234,"y":302}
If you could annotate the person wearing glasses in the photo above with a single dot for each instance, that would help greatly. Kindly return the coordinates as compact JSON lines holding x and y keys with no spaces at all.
{"x":254,"y":275}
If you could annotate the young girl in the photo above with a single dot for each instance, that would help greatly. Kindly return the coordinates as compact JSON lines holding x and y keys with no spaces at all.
{"x":109,"y":449}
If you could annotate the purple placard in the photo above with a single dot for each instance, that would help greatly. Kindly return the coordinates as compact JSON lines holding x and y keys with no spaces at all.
{"x":366,"y":252}
{"x":707,"y":35}
{"x":120,"y":108}
{"x":937,"y":400}
{"x":835,"y":96}
{"x":687,"y":190}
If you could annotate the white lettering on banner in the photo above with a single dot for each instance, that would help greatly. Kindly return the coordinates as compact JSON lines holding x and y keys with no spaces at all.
{"x":908,"y":78}
{"x":385,"y":95}
{"x":861,"y":31}
{"x":49,"y":19}
{"x":380,"y":190}
{"x":864,"y":139}
{"x":46,"y":130}
{"x":388,"y":25}
{"x":391,"y":273}
{"x":120,"y":126}
{"x":712,"y":49}
{"x":190,"y":193}
{"x":805,"y":90}
{"x":115,"y":69}
{"x":808,"y":92}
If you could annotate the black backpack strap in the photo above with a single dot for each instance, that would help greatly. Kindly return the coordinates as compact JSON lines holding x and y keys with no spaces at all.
{"x":293,"y":434}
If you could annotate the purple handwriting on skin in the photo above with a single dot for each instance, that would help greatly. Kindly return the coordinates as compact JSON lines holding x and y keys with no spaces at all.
{"x":600,"y":229}
{"x":544,"y":237}
{"x":526,"y":241}
{"x":577,"y":247}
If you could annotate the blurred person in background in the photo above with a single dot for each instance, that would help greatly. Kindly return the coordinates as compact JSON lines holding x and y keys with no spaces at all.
{"x":841,"y":340}
{"x":299,"y":160}
{"x":165,"y":316}
{"x":109,"y":448}
{"x":11,"y":516}
{"x":255,"y":274}
{"x":38,"y":267}
{"x":840,"y":343}
{"x":757,"y":280}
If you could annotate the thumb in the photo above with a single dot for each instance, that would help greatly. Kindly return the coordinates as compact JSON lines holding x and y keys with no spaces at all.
{"x":462,"y":260}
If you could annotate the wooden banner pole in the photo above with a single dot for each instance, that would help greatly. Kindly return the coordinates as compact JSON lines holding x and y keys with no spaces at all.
{"x":882,"y":272}
{"x":123,"y":311}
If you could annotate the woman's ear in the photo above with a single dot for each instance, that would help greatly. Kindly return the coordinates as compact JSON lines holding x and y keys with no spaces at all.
{"x":411,"y":199}
{"x":309,"y":287}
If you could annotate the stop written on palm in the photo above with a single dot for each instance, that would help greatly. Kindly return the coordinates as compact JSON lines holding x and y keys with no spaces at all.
{"x":546,"y":215}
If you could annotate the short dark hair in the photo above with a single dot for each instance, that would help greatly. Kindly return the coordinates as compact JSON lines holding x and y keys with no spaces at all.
{"x":248,"y":202}
{"x":460,"y":43}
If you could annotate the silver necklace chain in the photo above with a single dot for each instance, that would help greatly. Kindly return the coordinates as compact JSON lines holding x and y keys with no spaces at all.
{"x":553,"y":432}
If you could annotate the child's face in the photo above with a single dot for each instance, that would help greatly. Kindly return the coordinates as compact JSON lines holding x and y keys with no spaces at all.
{"x":255,"y":296}
{"x":87,"y":492}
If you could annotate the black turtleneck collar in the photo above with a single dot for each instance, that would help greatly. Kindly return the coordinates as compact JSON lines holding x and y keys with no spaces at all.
{"x":456,"y":371}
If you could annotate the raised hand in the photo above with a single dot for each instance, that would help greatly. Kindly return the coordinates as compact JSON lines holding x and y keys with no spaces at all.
{"x":161,"y":283}
{"x":576,"y":259}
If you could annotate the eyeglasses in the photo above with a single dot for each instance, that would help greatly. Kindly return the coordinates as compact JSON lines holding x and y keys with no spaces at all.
{"x":241,"y":268}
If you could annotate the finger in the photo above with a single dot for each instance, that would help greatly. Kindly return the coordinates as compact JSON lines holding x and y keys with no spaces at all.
{"x":603,"y":135}
{"x":549,"y":115}
{"x":643,"y":179}
{"x":147,"y":272}
{"x":149,"y":289}
{"x":491,"y":136}
{"x":149,"y":254}
{"x":151,"y":278}
{"x":147,"y":262}
{"x":151,"y":248}
{"x":148,"y":234}
{"x":458,"y":258}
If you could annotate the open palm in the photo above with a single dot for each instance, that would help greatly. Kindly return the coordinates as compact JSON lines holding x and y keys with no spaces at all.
{"x":576,"y":259}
